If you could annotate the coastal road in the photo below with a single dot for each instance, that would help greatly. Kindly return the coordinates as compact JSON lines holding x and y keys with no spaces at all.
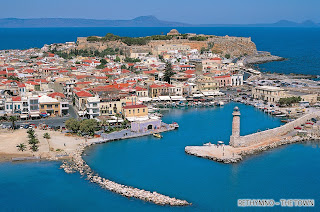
{"x":55,"y":121}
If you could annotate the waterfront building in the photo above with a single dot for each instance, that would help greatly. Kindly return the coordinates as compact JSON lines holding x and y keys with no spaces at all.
{"x":236,"y":80}
{"x":135,"y":111}
{"x":223,"y":81}
{"x":80,"y":101}
{"x":268,"y":93}
{"x":145,"y":125}
{"x":92,"y":107}
{"x":49,"y":105}
{"x":206,"y":83}
{"x":164,"y":89}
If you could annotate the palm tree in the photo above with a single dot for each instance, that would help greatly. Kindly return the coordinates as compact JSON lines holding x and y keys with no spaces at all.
{"x":47,"y":136}
{"x":34,"y":147}
{"x":13,"y":119}
{"x":21,"y":147}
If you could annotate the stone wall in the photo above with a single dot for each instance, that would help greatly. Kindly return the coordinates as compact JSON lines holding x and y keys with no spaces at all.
{"x":258,"y":137}
{"x":235,"y":46}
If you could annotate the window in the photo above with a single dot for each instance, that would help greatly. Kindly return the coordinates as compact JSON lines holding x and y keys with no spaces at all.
{"x":138,"y":110}
{"x":129,"y":111}
{"x":48,"y":106}
{"x":144,"y":110}
{"x":42,"y":106}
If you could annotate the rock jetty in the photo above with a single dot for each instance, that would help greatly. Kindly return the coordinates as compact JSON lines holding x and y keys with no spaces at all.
{"x":77,"y":164}
{"x":262,"y":58}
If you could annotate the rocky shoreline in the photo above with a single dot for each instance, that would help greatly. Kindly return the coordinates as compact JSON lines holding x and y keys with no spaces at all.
{"x":259,"y":59}
{"x":77,"y":164}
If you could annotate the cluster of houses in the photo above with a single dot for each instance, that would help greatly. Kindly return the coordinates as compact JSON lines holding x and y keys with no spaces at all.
{"x":36,"y":83}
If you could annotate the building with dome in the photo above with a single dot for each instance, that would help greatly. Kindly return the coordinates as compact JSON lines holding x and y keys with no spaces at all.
{"x":173,"y":32}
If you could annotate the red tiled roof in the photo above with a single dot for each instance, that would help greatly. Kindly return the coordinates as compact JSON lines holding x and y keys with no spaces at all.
{"x":159,"y":86}
{"x":189,"y":71}
{"x":140,"y":88}
{"x":16,"y":98}
{"x":83,"y":94}
{"x":224,"y":76}
{"x":55,"y":94}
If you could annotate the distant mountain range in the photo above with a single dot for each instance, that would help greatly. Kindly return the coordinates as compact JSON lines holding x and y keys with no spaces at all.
{"x":142,"y":21}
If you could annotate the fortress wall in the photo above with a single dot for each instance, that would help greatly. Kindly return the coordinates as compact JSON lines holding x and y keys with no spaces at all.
{"x":258,"y":137}
{"x":235,"y":46}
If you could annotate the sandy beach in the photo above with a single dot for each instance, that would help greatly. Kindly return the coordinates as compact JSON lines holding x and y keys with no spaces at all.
{"x":50,"y":149}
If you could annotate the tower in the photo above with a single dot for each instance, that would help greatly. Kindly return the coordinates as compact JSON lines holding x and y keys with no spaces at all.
{"x":235,"y":127}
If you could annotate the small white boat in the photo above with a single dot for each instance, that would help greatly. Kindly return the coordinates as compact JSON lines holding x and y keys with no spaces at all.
{"x":221,"y":103}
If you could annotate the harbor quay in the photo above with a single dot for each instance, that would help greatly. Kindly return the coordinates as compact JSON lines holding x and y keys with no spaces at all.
{"x":241,"y":146}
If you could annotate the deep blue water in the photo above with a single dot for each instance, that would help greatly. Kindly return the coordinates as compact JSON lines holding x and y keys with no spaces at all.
{"x":162,"y":165}
{"x":301,"y":46}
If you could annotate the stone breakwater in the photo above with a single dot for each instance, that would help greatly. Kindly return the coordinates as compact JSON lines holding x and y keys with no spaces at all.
{"x":277,"y":144}
{"x":77,"y":164}
{"x":228,"y":154}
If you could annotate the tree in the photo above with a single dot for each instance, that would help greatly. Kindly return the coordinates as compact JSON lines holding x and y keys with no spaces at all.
{"x":46,"y":136}
{"x":13,"y":119}
{"x":289,"y":100}
{"x":123,"y":66}
{"x":73,"y":125}
{"x":21,"y":147}
{"x":103,"y":61}
{"x":168,"y":73}
{"x":34,"y":148}
{"x":227,"y":56}
{"x":33,"y":141}
{"x":88,"y":126}
{"x":117,"y":59}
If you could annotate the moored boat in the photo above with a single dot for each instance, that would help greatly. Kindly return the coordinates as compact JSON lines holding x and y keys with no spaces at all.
{"x":157,"y":135}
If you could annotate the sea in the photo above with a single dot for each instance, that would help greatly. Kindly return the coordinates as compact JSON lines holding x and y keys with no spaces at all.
{"x":300,"y":46}
{"x":288,"y":172}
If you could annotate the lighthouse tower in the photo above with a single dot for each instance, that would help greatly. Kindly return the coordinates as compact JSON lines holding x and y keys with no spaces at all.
{"x":235,"y":127}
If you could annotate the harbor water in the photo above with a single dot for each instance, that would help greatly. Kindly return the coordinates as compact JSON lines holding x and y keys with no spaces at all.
{"x":161,"y":165}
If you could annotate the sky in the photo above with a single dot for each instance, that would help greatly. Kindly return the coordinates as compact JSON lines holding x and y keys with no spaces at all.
{"x":187,"y":11}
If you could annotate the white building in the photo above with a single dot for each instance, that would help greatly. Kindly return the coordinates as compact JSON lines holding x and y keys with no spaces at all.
{"x":93,"y":107}
{"x":236,"y":80}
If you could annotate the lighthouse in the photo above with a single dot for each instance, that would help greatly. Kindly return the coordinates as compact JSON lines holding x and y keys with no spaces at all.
{"x":235,"y":127}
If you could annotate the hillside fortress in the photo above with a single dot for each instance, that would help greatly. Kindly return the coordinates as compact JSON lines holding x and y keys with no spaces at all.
{"x":233,"y":46}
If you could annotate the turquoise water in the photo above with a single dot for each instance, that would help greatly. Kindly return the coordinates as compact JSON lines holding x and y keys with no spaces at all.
{"x":161,"y":165}
{"x":301,"y":46}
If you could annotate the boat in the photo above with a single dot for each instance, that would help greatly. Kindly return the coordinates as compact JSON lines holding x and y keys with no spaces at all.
{"x":221,"y":103}
{"x":157,"y":135}
{"x":281,"y":115}
{"x":175,"y":125}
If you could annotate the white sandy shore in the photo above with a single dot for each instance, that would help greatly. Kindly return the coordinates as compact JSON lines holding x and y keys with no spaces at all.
{"x":50,"y":149}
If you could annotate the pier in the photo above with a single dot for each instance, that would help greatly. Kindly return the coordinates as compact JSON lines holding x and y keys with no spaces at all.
{"x":241,"y":146}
